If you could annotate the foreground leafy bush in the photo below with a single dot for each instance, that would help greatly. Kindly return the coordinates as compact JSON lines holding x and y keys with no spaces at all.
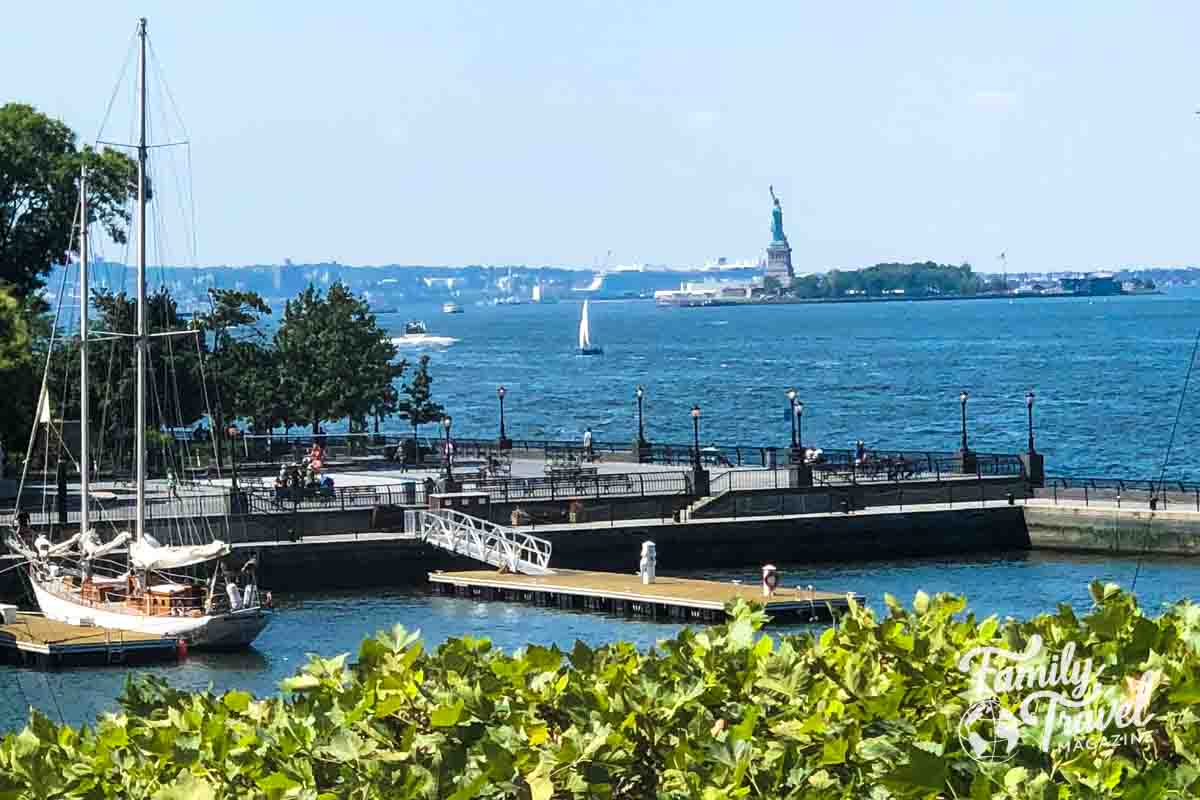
{"x":868,"y":709}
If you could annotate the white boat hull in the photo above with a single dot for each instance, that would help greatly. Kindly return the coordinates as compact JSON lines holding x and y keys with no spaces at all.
{"x":215,"y":631}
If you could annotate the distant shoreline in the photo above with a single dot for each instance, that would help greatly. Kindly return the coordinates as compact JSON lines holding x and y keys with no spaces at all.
{"x":791,"y":301}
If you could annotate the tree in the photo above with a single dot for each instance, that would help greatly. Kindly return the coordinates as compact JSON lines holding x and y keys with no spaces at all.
{"x":417,"y":406}
{"x":334,"y":360}
{"x":20,"y":372}
{"x":242,"y":366}
{"x":39,"y":170}
{"x":175,"y":392}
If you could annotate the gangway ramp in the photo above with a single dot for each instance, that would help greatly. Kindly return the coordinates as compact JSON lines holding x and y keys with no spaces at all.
{"x":456,"y":532}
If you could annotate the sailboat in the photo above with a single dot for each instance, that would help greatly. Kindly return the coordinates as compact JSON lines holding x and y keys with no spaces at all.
{"x":586,"y":347}
{"x":72,"y":581}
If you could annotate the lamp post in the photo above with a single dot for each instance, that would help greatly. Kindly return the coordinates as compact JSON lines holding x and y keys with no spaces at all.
{"x":791,"y":396}
{"x":700,"y":484}
{"x":641,"y":426}
{"x":446,"y":422}
{"x":962,"y":401}
{"x":1029,"y":406}
{"x":504,"y":443}
{"x":696,"y":433}
{"x":800,"y":426}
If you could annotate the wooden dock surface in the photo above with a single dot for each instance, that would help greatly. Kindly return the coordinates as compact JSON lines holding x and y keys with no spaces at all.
{"x":34,"y":639}
{"x":619,"y":592}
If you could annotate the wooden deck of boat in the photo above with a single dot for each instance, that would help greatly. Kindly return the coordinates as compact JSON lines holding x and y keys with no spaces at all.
{"x":614,"y":592}
{"x":37,"y":641}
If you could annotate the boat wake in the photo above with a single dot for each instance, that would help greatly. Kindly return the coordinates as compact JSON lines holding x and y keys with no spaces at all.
{"x":423,"y":340}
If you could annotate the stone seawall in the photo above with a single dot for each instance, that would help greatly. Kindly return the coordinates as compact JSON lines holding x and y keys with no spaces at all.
{"x":1112,"y":530}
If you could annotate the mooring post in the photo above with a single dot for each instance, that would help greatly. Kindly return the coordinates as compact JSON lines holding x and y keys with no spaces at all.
{"x":770,"y":579}
{"x":648,"y":563}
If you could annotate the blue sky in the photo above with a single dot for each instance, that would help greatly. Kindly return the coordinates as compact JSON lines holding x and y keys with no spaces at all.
{"x":548,"y":133}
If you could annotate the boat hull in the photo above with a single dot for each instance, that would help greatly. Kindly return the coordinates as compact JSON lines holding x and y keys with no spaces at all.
{"x":234,"y":630}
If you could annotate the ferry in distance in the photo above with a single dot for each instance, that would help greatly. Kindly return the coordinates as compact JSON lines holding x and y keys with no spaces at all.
{"x":417,"y":335}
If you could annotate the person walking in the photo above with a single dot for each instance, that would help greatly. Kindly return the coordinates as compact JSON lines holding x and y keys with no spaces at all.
{"x":587,"y":445}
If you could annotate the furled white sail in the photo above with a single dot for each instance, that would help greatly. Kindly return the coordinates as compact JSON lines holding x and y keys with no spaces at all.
{"x":145,"y":553}
{"x":585,"y":336}
{"x":93,"y":547}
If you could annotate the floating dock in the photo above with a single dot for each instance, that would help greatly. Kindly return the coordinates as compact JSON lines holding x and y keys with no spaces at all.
{"x":667,"y":599}
{"x":32,"y":640}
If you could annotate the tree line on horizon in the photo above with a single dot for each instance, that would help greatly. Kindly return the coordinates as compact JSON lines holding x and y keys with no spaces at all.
{"x":920,"y":279}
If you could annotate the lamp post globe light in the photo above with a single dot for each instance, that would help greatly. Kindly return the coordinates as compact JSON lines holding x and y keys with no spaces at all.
{"x":1029,"y":407}
{"x":791,"y":396}
{"x":504,"y":442}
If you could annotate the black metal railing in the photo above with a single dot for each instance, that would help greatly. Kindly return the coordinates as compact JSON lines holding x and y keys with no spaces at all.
{"x":1135,"y":493}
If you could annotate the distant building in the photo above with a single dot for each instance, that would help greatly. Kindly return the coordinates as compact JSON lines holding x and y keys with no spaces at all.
{"x":1091,"y":285}
{"x":779,"y":252}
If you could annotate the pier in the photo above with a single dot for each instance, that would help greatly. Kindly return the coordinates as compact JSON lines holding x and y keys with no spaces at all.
{"x":667,"y":599}
{"x":33,"y":640}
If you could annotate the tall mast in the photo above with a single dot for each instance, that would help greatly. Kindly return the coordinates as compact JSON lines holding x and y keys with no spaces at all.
{"x":84,"y":455}
{"x":139,"y":422}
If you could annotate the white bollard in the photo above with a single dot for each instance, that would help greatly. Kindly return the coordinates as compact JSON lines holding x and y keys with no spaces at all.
{"x":770,"y":579}
{"x":648,"y":563}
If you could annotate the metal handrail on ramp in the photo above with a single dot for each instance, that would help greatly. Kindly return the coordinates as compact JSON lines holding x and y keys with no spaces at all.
{"x":481,"y":540}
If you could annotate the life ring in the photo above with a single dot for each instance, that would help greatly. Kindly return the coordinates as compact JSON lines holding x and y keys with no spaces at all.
{"x":770,"y":579}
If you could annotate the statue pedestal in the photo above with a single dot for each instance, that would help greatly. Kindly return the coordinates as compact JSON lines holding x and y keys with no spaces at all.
{"x":1035,"y":468}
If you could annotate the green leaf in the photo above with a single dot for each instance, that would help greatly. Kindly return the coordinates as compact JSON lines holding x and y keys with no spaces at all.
{"x":187,"y":787}
{"x":923,"y":771}
{"x":277,"y":783}
{"x":237,"y":701}
{"x":300,"y":683}
{"x":834,"y":751}
{"x":446,"y":716}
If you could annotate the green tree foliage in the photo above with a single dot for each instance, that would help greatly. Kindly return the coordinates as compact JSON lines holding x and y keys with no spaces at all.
{"x":20,"y":370}
{"x":417,"y":405}
{"x":910,"y":280}
{"x":869,"y":708}
{"x":334,"y":360}
{"x":39,"y":169}
{"x":175,"y":394}
{"x":242,"y":367}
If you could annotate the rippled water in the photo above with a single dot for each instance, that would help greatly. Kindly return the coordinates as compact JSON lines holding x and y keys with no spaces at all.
{"x":1107,"y":373}
{"x":1008,"y":584}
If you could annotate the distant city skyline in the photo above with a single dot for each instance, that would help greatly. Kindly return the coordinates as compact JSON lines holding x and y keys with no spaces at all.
{"x":451,"y":134}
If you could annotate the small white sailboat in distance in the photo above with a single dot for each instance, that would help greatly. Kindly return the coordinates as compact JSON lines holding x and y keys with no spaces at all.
{"x":586,"y":348}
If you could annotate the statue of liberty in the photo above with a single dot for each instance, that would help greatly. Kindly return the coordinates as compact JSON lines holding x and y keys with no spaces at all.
{"x":776,"y":220}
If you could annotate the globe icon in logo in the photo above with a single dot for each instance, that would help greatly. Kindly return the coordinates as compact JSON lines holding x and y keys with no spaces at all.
{"x":989,"y":732}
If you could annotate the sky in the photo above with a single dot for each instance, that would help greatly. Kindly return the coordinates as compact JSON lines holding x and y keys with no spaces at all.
{"x":1063,"y":134}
